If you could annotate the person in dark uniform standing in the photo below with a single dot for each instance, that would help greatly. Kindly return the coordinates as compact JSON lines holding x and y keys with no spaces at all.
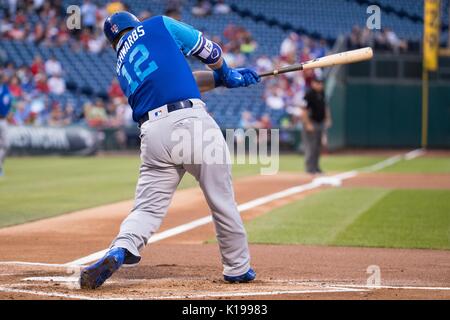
{"x":316,"y":119}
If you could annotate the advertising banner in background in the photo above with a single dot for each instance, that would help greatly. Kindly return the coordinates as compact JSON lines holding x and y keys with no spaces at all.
{"x":76,"y":140}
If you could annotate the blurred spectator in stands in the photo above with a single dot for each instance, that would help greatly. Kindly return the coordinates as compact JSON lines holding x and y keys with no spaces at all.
{"x":52,"y":31}
{"x":114,"y":90}
{"x":353,"y":40}
{"x":265,"y":122}
{"x":17,"y":32}
{"x":320,"y":49}
{"x":173,"y":13}
{"x":305,"y":54}
{"x":95,"y":114}
{"x":26,"y":79}
{"x":38,"y":5}
{"x":63,"y":34}
{"x":41,"y":83}
{"x":56,"y":117}
{"x":69,"y":116}
{"x":273,"y":97}
{"x":234,"y":57}
{"x":38,"y":33}
{"x":14,"y":87}
{"x":248,"y":45}
{"x":395,"y":43}
{"x":366,"y":38}
{"x":88,"y":14}
{"x":114,"y":6}
{"x":116,"y":120}
{"x":247,"y":120}
{"x":11,"y":6}
{"x":5,"y":26}
{"x":56,"y":84}
{"x":39,"y":109}
{"x":144,"y":15}
{"x":201,"y":8}
{"x":174,"y":4}
{"x":289,"y":46}
{"x":37,"y":66}
{"x":264,"y":64}
{"x":96,"y":43}
{"x":385,"y":40}
{"x":220,"y":7}
{"x":21,"y":113}
{"x":381,"y":41}
{"x":9,"y":70}
{"x":84,"y":39}
{"x":53,"y":66}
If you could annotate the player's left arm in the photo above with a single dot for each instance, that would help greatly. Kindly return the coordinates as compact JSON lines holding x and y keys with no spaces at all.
{"x":192,"y":43}
{"x":205,"y":80}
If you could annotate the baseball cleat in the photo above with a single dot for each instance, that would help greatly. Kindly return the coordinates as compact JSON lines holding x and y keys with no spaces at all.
{"x":250,"y":275}
{"x":95,"y":275}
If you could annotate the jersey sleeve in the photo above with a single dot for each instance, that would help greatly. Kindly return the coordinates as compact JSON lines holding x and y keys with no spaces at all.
{"x":187,"y":37}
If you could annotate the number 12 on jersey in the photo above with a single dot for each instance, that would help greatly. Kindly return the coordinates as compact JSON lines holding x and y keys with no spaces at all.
{"x":139,"y":73}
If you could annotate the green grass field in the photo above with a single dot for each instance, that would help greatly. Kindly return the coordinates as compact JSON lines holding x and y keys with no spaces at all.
{"x":422,"y":165}
{"x":36,"y":188}
{"x":360,"y":217}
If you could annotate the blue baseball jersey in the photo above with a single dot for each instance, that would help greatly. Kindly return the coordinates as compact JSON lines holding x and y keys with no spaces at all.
{"x":151,"y":65}
{"x":5,"y":100}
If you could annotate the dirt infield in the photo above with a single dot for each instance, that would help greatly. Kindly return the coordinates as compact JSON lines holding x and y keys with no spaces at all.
{"x":183,"y":266}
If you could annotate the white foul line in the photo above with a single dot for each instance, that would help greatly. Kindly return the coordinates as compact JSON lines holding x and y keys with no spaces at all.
{"x":414,"y":154}
{"x":316,"y":183}
{"x":392,"y":287}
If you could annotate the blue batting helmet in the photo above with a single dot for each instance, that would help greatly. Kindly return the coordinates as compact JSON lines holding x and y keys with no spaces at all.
{"x":118,"y":22}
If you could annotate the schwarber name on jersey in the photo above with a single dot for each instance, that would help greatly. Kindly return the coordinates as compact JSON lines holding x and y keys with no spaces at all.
{"x":151,"y":65}
{"x":125,"y":44}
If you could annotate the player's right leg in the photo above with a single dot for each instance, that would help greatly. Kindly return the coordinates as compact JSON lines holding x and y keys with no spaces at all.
{"x":158,"y":180}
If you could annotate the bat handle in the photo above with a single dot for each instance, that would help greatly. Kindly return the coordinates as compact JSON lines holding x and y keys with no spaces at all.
{"x":270,"y":73}
{"x":296,"y":67}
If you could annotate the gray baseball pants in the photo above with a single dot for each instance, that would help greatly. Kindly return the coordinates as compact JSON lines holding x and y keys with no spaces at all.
{"x":160,"y":173}
{"x":312,"y":142}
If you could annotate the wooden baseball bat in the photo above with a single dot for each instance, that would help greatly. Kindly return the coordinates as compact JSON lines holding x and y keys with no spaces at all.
{"x":346,"y":57}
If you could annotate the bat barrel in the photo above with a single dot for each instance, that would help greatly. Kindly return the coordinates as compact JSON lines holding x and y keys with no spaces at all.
{"x":327,"y":61}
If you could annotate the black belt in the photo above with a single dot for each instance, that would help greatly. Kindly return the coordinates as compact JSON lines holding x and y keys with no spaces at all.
{"x":170,"y":108}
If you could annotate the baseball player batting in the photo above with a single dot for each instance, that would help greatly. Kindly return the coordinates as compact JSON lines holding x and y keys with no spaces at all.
{"x":165,"y":95}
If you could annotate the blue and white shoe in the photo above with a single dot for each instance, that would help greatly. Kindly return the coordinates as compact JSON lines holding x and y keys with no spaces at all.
{"x":95,"y":275}
{"x":250,"y":275}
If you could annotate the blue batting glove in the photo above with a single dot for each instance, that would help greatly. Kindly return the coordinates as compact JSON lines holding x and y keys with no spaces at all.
{"x":250,"y":76}
{"x":234,"y":78}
